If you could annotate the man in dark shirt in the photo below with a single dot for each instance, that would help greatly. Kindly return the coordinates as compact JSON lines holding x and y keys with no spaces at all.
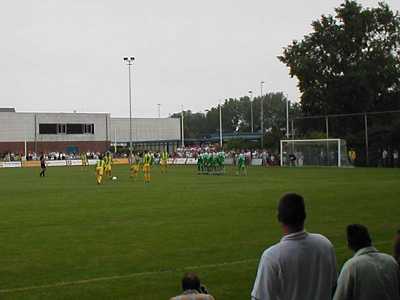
{"x":42,"y":165}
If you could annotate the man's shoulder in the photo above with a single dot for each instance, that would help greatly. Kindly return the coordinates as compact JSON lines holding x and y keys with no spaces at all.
{"x":272,"y":252}
{"x":320,"y":239}
{"x":386,"y":257}
{"x":383,"y":257}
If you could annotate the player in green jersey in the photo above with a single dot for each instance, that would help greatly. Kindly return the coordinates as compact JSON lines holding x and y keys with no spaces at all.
{"x":200,"y":163}
{"x":221,"y":162}
{"x":241,"y":162}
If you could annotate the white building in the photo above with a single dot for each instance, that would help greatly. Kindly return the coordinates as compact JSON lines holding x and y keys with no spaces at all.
{"x":82,"y":132}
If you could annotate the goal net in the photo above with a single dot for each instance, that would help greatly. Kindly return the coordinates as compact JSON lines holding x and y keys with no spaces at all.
{"x":314,"y":152}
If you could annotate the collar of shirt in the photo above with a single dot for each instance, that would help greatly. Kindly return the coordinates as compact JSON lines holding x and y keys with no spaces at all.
{"x":295,"y":236}
{"x":189,"y":292}
{"x":365,"y":250}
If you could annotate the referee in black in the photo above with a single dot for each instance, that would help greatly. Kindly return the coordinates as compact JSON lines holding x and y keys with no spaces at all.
{"x":42,"y":165}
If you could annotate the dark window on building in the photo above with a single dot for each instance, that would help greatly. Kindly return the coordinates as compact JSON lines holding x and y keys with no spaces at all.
{"x":47,"y":128}
{"x":75,"y":128}
{"x":80,"y":128}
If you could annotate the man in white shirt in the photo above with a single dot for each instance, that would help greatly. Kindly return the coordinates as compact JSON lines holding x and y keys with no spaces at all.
{"x":369,"y":275}
{"x":302,"y":266}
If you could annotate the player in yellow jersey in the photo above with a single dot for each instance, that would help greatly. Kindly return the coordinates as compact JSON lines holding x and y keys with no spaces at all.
{"x":352,"y":155}
{"x":146,"y":167}
{"x":84,"y":161}
{"x":100,"y":170}
{"x":108,"y":164}
{"x":164,"y":161}
{"x":135,"y":166}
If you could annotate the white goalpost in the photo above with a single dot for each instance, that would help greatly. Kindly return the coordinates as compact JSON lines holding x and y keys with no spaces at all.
{"x":314,"y":152}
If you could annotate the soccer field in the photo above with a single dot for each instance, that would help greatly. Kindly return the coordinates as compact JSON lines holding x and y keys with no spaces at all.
{"x":64,"y":237}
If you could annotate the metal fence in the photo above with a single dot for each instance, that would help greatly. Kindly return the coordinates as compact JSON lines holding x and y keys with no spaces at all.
{"x":374,"y":136}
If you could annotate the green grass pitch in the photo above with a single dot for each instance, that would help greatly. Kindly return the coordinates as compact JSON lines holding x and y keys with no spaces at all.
{"x":64,"y":237}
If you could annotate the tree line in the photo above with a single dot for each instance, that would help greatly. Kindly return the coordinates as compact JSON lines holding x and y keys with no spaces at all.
{"x":236,"y":116}
{"x":349,"y":63}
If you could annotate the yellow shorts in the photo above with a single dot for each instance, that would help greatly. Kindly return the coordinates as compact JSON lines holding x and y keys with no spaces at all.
{"x":135,"y":168}
{"x":99,"y":171}
{"x":163,"y":162}
{"x":146,"y":168}
{"x":108,"y":168}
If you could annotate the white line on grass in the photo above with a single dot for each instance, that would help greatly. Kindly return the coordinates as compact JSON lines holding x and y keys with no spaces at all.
{"x":115,"y":277}
{"x":138,"y":274}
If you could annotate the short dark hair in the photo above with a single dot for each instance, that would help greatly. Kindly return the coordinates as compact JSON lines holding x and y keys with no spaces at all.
{"x":358,"y":237}
{"x":292,"y":211}
{"x":190,"y":281}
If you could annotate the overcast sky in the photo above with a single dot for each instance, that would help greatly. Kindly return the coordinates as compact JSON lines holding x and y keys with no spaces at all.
{"x":65,"y":55}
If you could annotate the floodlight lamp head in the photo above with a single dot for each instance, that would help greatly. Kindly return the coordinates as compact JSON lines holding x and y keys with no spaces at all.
{"x":132,"y":58}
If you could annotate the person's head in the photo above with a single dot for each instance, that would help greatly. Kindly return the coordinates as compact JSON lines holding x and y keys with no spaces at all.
{"x":291,"y":212}
{"x":358,"y":237}
{"x":190,"y":281}
{"x":396,"y":247}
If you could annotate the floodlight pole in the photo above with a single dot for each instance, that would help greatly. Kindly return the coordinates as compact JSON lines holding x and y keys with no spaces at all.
{"x":287,"y":117}
{"x":366,"y":139}
{"x":182,"y":130}
{"x":327,"y":126}
{"x":262,"y":114}
{"x":251,"y":110}
{"x":220,"y":125}
{"x":129,"y":62}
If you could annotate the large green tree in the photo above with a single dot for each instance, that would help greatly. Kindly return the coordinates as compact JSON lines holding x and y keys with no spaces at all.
{"x":350,"y":62}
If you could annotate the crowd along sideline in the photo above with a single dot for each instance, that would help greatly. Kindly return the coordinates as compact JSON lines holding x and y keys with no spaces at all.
{"x":116,"y":161}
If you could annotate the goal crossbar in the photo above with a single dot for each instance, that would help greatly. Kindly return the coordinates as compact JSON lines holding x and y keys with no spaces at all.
{"x":311,"y":140}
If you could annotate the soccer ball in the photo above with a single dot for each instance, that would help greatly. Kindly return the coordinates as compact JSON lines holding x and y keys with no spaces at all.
{"x":114,"y":178}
